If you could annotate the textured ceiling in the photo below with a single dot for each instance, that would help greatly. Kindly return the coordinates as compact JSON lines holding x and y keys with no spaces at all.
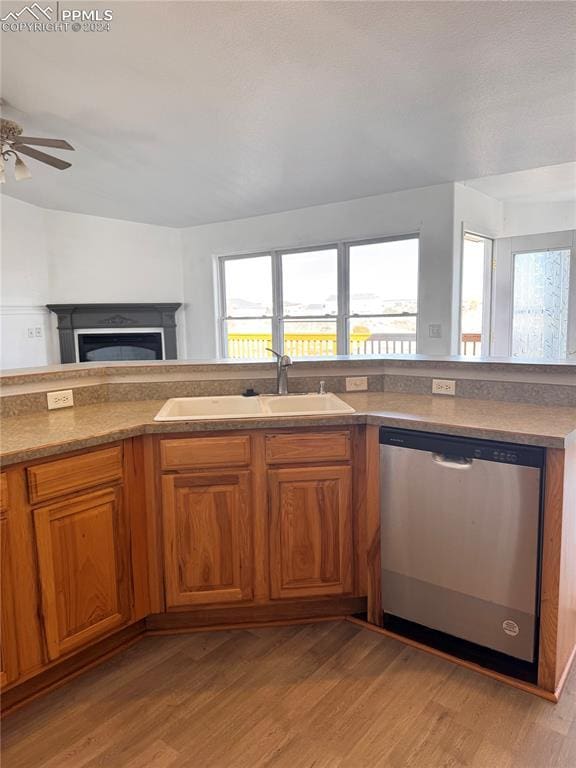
{"x":187,"y":113}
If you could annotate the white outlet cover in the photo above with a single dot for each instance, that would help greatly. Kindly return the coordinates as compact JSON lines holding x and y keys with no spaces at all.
{"x":443,"y":387}
{"x":61,"y":399}
{"x":356,"y":383}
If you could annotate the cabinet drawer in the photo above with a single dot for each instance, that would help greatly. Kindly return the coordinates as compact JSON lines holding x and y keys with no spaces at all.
{"x":296,"y":448}
{"x":205,"y":452}
{"x":76,"y":473}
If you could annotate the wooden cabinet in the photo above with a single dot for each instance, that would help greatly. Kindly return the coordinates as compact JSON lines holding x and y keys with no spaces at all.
{"x":311,"y":540}
{"x":291,"y":534}
{"x":8,"y":644}
{"x":83,"y":562}
{"x":208,"y":538}
{"x":192,"y":530}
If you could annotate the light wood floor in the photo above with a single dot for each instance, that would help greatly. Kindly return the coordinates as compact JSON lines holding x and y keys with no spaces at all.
{"x":313,"y":696}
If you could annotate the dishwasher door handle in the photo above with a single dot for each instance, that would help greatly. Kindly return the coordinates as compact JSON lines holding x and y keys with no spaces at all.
{"x":456,"y":462}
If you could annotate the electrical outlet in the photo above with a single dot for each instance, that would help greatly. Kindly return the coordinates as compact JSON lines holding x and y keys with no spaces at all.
{"x":62,"y":399}
{"x":38,"y":332}
{"x":443,"y":387}
{"x":435,"y":331}
{"x":356,"y":383}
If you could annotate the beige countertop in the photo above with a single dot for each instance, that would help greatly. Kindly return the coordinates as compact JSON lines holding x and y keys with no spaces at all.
{"x":48,"y":433}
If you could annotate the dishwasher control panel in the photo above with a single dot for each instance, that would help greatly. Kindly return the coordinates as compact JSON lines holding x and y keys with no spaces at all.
{"x":464,"y":447}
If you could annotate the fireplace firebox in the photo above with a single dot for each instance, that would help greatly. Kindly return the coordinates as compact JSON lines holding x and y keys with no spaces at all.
{"x":93,"y":347}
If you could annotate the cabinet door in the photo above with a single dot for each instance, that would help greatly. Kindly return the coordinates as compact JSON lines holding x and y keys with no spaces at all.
{"x":83,"y":563}
{"x":310,"y":531}
{"x":8,"y":647}
{"x":208,"y":532}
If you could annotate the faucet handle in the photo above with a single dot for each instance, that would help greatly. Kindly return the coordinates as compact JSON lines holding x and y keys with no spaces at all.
{"x":283,"y":360}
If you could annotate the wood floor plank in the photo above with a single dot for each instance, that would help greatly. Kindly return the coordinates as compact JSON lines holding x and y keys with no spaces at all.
{"x":329,"y":695}
{"x":157,"y":755}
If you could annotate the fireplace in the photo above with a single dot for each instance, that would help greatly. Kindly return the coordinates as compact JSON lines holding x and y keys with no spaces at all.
{"x":99,"y":332}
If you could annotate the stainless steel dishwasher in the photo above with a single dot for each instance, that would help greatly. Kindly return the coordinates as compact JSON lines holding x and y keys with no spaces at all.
{"x":460,"y":535}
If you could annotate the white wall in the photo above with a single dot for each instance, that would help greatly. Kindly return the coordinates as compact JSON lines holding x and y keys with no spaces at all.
{"x":107,"y":260}
{"x":534,"y":218}
{"x":25,"y":281}
{"x":428,"y":211}
{"x":56,"y":257}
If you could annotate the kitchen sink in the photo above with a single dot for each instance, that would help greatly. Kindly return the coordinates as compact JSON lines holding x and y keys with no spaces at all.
{"x":239,"y":407}
{"x":305,"y":405}
{"x":226,"y":407}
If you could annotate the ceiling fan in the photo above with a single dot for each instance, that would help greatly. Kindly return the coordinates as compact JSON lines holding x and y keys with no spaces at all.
{"x":13,"y":144}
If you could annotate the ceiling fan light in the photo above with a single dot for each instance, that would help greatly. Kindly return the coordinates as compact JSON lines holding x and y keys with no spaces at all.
{"x":21,"y":170}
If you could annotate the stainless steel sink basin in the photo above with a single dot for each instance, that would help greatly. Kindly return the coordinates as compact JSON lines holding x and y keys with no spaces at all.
{"x":239,"y":407}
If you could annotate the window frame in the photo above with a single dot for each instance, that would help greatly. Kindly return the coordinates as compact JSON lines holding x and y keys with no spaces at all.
{"x":283,"y":317}
{"x":343,"y":315}
{"x":487,"y":294}
{"x":354,"y":315}
{"x":224,"y":318}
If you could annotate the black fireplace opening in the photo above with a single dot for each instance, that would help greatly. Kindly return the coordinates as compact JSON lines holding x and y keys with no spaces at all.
{"x":96,"y":347}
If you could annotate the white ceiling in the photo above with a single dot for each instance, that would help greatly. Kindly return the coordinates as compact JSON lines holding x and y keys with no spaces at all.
{"x":192,"y":112}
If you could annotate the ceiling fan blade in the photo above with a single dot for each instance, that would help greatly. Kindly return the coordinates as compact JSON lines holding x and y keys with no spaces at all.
{"x":55,"y":162}
{"x":56,"y":143}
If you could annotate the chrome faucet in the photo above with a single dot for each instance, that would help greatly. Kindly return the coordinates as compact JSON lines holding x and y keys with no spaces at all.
{"x":282,"y":363}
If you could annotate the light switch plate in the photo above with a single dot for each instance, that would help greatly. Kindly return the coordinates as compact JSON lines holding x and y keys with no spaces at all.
{"x":356,"y":383}
{"x":61,"y":399}
{"x":443,"y":387}
{"x":435,"y":331}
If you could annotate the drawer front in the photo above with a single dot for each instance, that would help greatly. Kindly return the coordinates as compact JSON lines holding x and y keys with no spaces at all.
{"x":297,"y":448}
{"x":205,"y":452}
{"x":75,"y":473}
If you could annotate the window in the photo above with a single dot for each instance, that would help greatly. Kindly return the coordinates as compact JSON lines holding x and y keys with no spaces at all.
{"x":540,"y":304}
{"x":247,"y":324}
{"x":383,"y":297}
{"x":310,"y":302}
{"x":475,"y":295}
{"x":346,"y":298}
